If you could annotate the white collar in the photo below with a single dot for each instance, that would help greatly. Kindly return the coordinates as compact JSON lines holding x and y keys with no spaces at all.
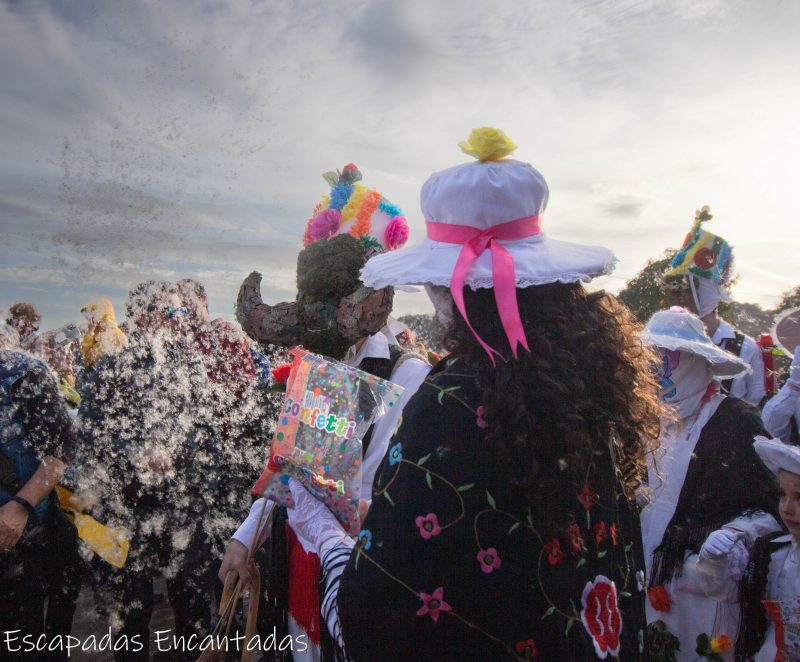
{"x":724,"y":330}
{"x":787,"y":538}
{"x":375,"y":346}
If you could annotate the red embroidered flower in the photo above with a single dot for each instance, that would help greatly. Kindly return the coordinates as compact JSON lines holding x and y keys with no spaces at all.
{"x":281,"y":373}
{"x":587,"y":497}
{"x":428,"y":526}
{"x":600,"y":616}
{"x":614,"y":531}
{"x":480,"y":422}
{"x":659,"y":598}
{"x":349,"y":166}
{"x":489,"y":560}
{"x":553,"y":552}
{"x":600,"y":533}
{"x":576,"y":538}
{"x":527,"y":649}
{"x":433,"y":604}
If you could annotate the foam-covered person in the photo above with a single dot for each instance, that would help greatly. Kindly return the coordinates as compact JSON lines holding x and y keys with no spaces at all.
{"x":38,"y":546}
{"x":103,"y":335}
{"x":24,"y":318}
{"x":337,"y":316}
{"x":708,"y":492}
{"x":152,"y":459}
{"x":698,"y":279}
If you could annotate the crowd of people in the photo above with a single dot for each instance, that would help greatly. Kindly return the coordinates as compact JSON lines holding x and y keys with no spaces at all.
{"x":565,"y":484}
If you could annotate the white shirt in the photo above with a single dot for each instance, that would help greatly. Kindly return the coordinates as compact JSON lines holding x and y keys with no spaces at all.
{"x":783,"y":585}
{"x":409,"y":374}
{"x":778,"y":412}
{"x":747,"y":387}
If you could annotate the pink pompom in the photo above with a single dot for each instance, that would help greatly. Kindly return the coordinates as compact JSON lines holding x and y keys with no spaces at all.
{"x":325,"y":224}
{"x":396,"y":233}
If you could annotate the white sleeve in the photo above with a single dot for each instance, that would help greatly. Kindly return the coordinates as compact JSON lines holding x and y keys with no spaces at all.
{"x":409,"y":374}
{"x":247,"y":530}
{"x":778,"y":412}
{"x":756,"y":391}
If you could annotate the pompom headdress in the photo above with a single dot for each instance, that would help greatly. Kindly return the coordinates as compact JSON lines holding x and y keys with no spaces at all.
{"x":703,"y":254}
{"x":352,"y":208}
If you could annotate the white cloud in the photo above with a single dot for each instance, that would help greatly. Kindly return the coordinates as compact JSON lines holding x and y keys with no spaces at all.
{"x":145,"y":138}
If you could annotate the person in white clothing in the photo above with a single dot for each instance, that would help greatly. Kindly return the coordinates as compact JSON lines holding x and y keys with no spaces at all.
{"x":781,"y":414}
{"x":691,"y":494}
{"x":336,"y":316}
{"x":771,"y":586}
{"x":698,"y":279}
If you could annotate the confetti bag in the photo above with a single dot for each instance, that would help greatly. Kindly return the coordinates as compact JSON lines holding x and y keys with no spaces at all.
{"x":327,"y":410}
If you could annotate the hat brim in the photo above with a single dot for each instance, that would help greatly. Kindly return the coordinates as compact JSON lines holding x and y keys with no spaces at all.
{"x":777,"y":455}
{"x":723,"y":364}
{"x":537,"y":260}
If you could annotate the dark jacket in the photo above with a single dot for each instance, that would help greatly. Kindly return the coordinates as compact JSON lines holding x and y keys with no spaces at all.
{"x":452,"y":565}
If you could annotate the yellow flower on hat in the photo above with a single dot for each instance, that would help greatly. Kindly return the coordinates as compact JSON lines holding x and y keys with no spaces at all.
{"x":487,"y":144}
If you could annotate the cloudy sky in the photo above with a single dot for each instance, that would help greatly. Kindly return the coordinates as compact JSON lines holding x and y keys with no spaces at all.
{"x":169,"y":139}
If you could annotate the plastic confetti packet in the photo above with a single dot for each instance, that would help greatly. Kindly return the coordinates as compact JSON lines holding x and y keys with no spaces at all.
{"x":327,"y":410}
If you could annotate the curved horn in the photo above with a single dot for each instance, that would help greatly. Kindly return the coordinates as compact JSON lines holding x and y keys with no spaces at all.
{"x":275,"y":325}
{"x":364,"y":312}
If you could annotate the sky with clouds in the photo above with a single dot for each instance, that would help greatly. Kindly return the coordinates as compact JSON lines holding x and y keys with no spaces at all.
{"x":169,"y":139}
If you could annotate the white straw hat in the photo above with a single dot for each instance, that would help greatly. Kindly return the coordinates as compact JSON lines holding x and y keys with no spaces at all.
{"x":678,"y":329}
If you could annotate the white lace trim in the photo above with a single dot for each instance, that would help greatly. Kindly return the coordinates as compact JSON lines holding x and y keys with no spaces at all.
{"x":437,"y":278}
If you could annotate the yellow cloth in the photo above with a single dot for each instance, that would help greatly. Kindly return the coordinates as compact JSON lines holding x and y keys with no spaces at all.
{"x":109,"y":544}
{"x":69,"y":393}
{"x":103,"y":336}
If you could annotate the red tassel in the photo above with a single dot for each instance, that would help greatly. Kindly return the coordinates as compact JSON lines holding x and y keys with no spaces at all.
{"x":766,"y":345}
{"x":304,"y":574}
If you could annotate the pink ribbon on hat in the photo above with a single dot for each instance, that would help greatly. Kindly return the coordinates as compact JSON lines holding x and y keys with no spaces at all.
{"x":475,"y":241}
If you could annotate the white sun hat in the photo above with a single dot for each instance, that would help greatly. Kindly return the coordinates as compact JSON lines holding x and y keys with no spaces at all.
{"x":678,"y":329}
{"x":484,"y":195}
{"x":777,"y":455}
{"x":484,"y":229}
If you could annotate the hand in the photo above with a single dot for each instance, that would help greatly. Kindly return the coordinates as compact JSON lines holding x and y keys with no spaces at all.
{"x":236,"y":559}
{"x":311,"y":520}
{"x":13,"y":518}
{"x":719,"y":543}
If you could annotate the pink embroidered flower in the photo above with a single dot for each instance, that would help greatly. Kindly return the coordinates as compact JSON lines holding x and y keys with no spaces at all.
{"x":396,"y":233}
{"x":587,"y":497}
{"x":325,"y":224}
{"x":481,"y":422}
{"x":614,"y":531}
{"x":489,"y":560}
{"x":553,"y":552}
{"x":600,"y":616}
{"x":433,"y":604}
{"x":428,"y":526}
{"x":600,"y":532}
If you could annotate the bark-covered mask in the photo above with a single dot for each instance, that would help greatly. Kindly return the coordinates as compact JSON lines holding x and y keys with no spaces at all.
{"x":332,"y":309}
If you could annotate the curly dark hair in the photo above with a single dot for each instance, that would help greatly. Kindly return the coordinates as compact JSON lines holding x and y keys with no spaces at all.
{"x":587,"y":377}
